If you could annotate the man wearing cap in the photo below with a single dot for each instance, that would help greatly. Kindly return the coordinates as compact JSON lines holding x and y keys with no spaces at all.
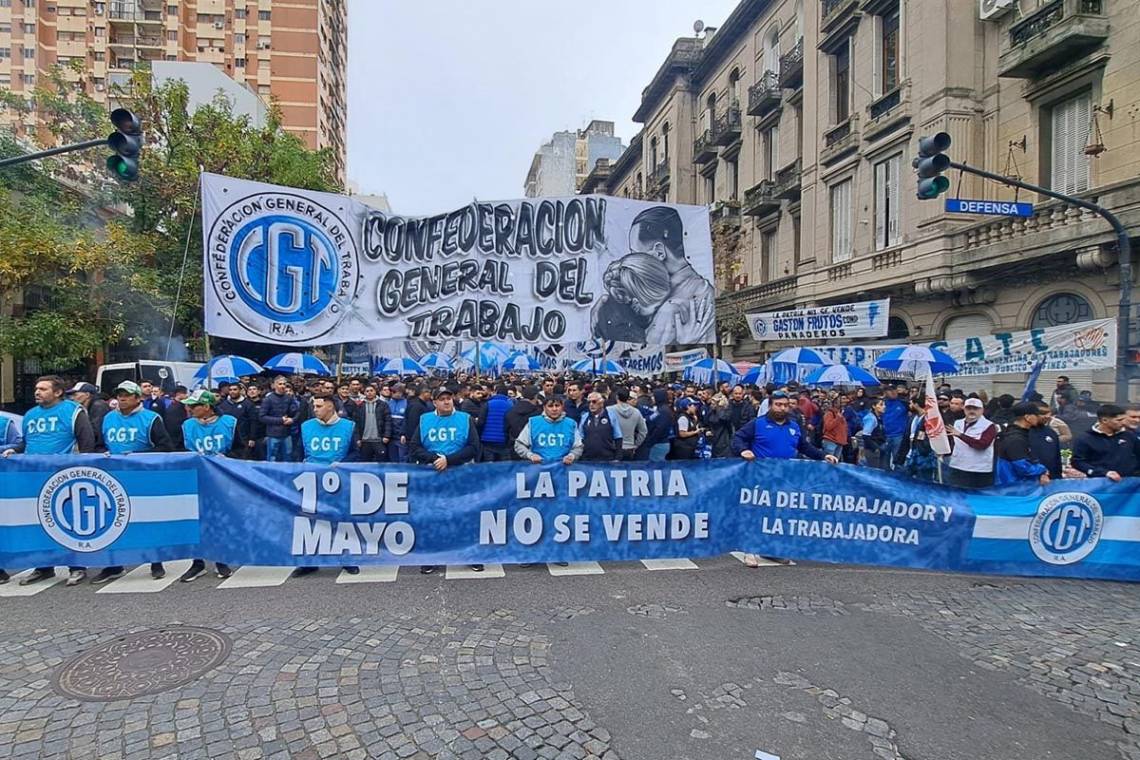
{"x":87,"y":395}
{"x":54,"y":426}
{"x":550,"y":436}
{"x":972,"y":457}
{"x":327,"y":438}
{"x":1016,"y":462}
{"x":444,"y":438}
{"x":1107,"y":450}
{"x":209,"y":434}
{"x":132,"y":429}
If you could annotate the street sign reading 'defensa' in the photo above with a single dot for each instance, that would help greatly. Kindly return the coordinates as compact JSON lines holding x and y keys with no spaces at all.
{"x":988,"y":208}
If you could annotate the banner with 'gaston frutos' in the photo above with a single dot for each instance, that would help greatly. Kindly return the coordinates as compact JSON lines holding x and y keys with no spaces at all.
{"x":300,"y":267}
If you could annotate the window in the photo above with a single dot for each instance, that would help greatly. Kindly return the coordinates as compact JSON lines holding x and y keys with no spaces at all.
{"x":770,"y":254}
{"x":239,"y":13}
{"x":172,"y":10}
{"x":798,"y":114}
{"x":665,"y":142}
{"x":5,"y":52}
{"x":887,"y":204}
{"x":5,"y":28}
{"x":29,"y":78}
{"x":172,"y":35}
{"x":263,"y":64}
{"x":897,"y":329}
{"x":240,"y":62}
{"x":710,"y":187}
{"x":100,"y":55}
{"x":799,"y":28}
{"x":1061,"y":309}
{"x":888,"y":73}
{"x":29,"y":53}
{"x":841,"y":221}
{"x":734,"y":89}
{"x":796,"y":237}
{"x":653,"y":153}
{"x":1069,"y":165}
{"x":29,"y":28}
{"x":771,"y":151}
{"x":710,"y":112}
{"x":841,"y":83}
{"x":772,"y":50}
{"x":733,"y":180}
{"x":239,"y":39}
{"x":263,"y":15}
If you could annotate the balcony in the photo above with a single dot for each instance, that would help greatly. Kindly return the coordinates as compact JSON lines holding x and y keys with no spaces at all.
{"x":1054,"y":35}
{"x":123,"y":12}
{"x":835,"y":12}
{"x":792,"y":66}
{"x":788,"y":181}
{"x":726,"y":128}
{"x":760,"y":199}
{"x":888,"y":111}
{"x":840,"y":140}
{"x":725,"y":215}
{"x":764,"y":95}
{"x":704,"y":149}
{"x":659,"y":177}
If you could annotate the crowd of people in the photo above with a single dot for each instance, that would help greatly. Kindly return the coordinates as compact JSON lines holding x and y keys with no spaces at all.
{"x":451,"y":421}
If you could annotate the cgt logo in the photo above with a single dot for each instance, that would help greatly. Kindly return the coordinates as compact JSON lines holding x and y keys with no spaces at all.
{"x":83,"y":509}
{"x":1067,"y":528}
{"x":760,"y":327}
{"x":282,"y":266}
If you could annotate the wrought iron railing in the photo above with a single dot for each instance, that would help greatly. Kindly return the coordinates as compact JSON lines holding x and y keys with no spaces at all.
{"x":727,"y":123}
{"x":792,"y":62}
{"x":765,"y":92}
{"x":885,"y":104}
{"x":1049,"y":16}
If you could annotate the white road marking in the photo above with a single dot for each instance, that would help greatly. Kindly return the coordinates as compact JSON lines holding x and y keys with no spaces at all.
{"x":138,"y":581}
{"x":464,"y":572}
{"x":370,"y":574}
{"x":669,"y":564}
{"x":256,"y":576}
{"x":575,"y":568}
{"x":13,"y":588}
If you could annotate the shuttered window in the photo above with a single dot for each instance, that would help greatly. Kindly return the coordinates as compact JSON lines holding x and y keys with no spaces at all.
{"x":841,"y":221}
{"x":1070,"y":124}
{"x":887,"y":204}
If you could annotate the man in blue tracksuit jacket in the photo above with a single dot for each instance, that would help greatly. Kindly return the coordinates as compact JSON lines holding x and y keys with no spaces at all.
{"x":496,"y":447}
{"x":894,"y":425}
{"x":1015,"y":461}
{"x":774,"y":436}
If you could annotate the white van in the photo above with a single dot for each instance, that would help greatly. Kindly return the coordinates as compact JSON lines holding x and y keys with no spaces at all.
{"x":165,"y":374}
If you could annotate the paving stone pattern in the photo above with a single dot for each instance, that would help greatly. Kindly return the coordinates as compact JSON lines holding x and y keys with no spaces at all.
{"x":812,"y":604}
{"x":478,"y":689}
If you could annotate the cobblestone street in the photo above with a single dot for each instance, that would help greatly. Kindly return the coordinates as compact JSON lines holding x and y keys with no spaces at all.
{"x":799,"y":662}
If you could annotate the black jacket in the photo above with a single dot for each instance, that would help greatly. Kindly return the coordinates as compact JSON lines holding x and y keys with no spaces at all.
{"x":1046,"y":448}
{"x":598,"y":441}
{"x":97,"y":409}
{"x":660,"y":426}
{"x":172,"y":418}
{"x":740,"y":413}
{"x":274,"y":407}
{"x":416,"y":408}
{"x":517,"y":418}
{"x":1096,"y":454}
{"x":721,"y":428}
{"x":382,"y":414}
{"x":470,"y":452}
{"x":244,"y":411}
{"x":477,"y":410}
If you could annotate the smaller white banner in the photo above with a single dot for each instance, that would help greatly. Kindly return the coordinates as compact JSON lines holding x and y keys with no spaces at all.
{"x":676,"y":361}
{"x":865,"y":319}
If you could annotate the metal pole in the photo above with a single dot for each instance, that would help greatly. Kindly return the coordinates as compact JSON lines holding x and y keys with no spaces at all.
{"x":52,"y":152}
{"x":1124,"y":248}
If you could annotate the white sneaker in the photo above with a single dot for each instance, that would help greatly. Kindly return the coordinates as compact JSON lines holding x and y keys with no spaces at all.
{"x":75,"y":577}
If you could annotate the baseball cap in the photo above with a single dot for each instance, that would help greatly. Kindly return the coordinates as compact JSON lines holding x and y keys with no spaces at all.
{"x":442,"y":390}
{"x":200,"y":397}
{"x":128,"y":386}
{"x":777,"y":395}
{"x":943,"y":396}
{"x":976,"y":403}
{"x":82,"y":388}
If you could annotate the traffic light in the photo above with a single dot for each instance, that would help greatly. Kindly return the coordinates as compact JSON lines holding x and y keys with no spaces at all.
{"x":929,"y":164}
{"x":126,"y":141}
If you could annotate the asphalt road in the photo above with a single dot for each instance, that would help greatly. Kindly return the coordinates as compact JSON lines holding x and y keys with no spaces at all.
{"x":714,"y":662}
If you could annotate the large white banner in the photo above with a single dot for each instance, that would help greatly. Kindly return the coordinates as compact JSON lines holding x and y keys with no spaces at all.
{"x":299,"y":267}
{"x":865,"y":319}
{"x":1079,"y":346}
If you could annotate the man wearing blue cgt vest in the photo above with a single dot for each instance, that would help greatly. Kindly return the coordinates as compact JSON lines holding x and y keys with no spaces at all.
{"x":550,"y":437}
{"x":774,"y":436}
{"x":444,"y":438}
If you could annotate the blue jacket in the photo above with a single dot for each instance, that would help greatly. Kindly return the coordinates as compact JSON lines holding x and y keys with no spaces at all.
{"x":1015,"y":462}
{"x":10,"y":434}
{"x":495,"y":423}
{"x":894,"y":418}
{"x":660,"y":425}
{"x":769,"y":439}
{"x":274,"y":407}
{"x":1096,"y":454}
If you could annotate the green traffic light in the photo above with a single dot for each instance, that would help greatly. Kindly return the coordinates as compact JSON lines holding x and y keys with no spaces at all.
{"x":123,"y":169}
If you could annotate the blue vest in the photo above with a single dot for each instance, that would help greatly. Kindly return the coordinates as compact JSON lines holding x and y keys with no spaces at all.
{"x":552,"y":440}
{"x":325,"y":444}
{"x":51,"y":431}
{"x":773,"y":441}
{"x":130,"y":433}
{"x":444,"y":435}
{"x":215,"y":438}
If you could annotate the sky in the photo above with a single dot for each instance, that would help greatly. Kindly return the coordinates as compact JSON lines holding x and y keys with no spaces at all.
{"x":449,"y":99}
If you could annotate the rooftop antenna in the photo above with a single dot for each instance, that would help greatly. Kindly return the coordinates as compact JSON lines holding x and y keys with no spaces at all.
{"x":698,"y":27}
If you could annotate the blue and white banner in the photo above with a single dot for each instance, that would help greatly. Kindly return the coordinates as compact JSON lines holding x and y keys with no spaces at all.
{"x":97,"y":511}
{"x":865,"y":319}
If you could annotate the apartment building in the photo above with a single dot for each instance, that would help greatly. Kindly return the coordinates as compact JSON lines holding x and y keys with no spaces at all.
{"x":294,"y":51}
{"x":796,"y":123}
{"x":561,"y":165}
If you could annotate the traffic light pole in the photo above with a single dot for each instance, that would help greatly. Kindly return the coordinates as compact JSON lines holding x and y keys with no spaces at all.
{"x":102,"y":142}
{"x":1124,"y":246}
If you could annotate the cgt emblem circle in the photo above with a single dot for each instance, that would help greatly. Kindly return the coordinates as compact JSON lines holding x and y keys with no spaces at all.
{"x":1066,"y":528}
{"x":282,"y":266}
{"x":83,"y":509}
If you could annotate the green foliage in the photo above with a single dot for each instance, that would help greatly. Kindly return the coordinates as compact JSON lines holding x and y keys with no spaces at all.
{"x":98,"y":284}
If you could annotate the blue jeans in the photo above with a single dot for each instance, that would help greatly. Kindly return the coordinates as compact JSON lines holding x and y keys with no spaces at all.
{"x":658,"y":452}
{"x":888,"y":454}
{"x":833,"y":448}
{"x":279,"y":449}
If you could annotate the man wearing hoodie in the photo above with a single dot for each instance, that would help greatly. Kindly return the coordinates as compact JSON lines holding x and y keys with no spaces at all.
{"x":418,"y":406}
{"x":494,"y":434}
{"x":632,"y":424}
{"x":1016,"y":462}
{"x":519,"y":414}
{"x":655,"y":447}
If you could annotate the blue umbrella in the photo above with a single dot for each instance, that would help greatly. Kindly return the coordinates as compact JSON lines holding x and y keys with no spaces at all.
{"x":801,"y":357}
{"x":298,"y":364}
{"x":520,"y":361}
{"x":840,"y":374}
{"x":490,"y":354}
{"x":914,"y":358}
{"x":597,"y":367}
{"x":437,"y":362}
{"x":401,"y":367}
{"x":225,"y":369}
{"x":709,"y":370}
{"x":758,"y":375}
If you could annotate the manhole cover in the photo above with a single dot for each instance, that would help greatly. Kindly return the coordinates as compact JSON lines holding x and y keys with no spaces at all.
{"x":138,"y":664}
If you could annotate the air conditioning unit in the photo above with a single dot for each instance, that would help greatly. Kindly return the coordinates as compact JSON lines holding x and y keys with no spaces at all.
{"x":991,"y":10}
{"x":219,"y":25}
{"x":99,"y":87}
